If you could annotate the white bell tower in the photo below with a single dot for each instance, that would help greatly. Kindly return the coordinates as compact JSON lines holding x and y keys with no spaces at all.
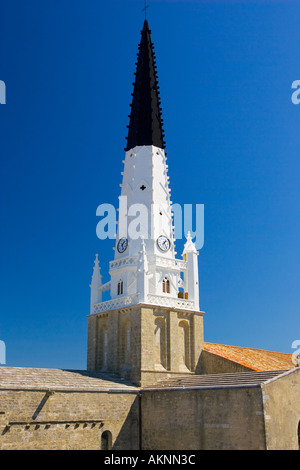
{"x":151,"y":327}
{"x":144,"y":268}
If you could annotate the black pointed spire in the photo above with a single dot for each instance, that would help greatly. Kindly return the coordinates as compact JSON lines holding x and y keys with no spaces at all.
{"x":145,"y":126}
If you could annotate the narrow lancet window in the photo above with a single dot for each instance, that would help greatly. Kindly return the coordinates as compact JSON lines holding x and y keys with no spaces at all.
{"x":166,"y":285}
{"x":106,"y":441}
{"x":120,"y":288}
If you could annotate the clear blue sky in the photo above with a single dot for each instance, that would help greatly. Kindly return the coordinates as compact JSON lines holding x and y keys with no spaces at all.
{"x":225,"y":71}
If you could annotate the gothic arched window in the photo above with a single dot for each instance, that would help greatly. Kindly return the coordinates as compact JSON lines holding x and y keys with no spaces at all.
{"x":166,"y":285}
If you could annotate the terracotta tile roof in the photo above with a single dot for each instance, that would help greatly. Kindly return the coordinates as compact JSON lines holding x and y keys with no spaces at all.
{"x":24,"y":378}
{"x":254,"y":359}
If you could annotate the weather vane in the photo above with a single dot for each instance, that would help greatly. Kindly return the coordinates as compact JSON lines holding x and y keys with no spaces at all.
{"x":145,"y":9}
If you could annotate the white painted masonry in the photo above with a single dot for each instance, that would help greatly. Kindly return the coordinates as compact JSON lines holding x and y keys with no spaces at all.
{"x":144,"y":269}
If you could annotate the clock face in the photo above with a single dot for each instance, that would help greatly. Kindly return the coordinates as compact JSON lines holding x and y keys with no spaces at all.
{"x":163,"y":243}
{"x":122,"y":245}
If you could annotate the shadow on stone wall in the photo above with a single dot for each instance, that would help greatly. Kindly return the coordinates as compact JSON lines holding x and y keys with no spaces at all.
{"x":129,"y":435}
{"x":210,"y":363}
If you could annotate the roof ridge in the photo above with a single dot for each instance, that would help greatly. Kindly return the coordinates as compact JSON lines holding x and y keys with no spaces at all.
{"x":247,"y":347}
{"x":284,"y":373}
{"x":252,"y":358}
{"x":61,"y":379}
{"x":226,"y":380}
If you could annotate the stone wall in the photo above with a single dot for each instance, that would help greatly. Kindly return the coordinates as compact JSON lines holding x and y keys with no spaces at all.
{"x":210,"y":363}
{"x":145,"y":343}
{"x":246,"y":417}
{"x":203,"y":419}
{"x":282,"y":411}
{"x":67,"y":420}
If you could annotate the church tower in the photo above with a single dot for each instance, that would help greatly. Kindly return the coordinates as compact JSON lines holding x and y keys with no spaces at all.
{"x":151,"y":327}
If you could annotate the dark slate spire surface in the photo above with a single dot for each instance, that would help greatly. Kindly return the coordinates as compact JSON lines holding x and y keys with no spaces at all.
{"x":145,"y":127}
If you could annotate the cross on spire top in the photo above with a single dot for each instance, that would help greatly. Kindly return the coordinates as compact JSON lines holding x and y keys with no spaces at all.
{"x":145,"y":9}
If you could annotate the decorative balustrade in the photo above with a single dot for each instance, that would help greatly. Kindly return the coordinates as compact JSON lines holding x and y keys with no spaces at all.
{"x":113,"y":304}
{"x":119,"y":263}
{"x":165,"y":301}
{"x":176,"y":264}
{"x":159,"y":300}
{"x":182,"y":265}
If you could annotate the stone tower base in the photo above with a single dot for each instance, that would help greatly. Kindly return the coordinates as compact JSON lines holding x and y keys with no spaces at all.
{"x":145,"y":343}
